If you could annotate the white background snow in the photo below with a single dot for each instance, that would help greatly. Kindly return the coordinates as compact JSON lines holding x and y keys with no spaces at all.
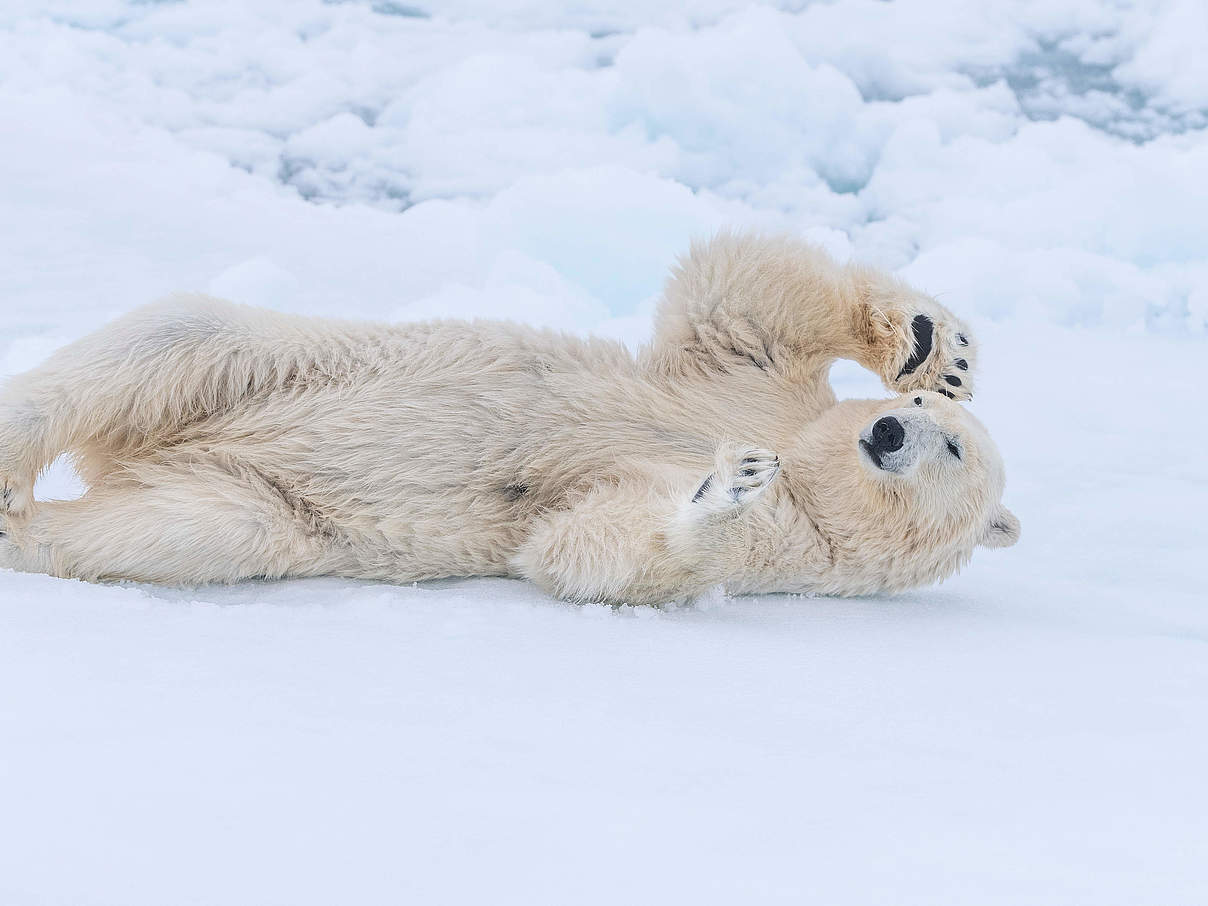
{"x":1031,"y":731}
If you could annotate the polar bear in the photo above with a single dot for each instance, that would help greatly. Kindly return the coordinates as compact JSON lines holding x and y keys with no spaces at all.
{"x":222,"y":442}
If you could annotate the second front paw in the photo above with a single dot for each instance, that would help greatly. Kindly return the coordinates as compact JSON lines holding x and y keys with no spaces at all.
{"x":742,"y":475}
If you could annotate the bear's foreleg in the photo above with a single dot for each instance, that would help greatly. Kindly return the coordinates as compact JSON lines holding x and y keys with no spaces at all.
{"x":785,"y":306}
{"x":666,"y":536}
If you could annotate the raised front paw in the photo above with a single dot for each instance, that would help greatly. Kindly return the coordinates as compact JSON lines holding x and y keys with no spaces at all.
{"x":929,"y":350}
{"x":741,"y":476}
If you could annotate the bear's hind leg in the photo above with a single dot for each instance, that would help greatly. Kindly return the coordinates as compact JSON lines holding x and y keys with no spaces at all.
{"x":172,"y":523}
{"x":132,"y":384}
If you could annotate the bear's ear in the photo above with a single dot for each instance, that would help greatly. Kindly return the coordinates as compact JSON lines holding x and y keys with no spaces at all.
{"x":1002,"y":530}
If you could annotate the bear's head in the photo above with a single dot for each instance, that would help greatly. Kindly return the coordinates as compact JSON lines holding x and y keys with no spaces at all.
{"x":936,"y":460}
{"x":901,"y":491}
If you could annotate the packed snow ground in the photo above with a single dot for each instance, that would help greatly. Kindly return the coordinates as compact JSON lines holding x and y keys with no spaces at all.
{"x":1029,"y":731}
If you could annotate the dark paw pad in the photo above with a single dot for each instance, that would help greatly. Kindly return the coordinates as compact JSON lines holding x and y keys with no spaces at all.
{"x":923,"y":331}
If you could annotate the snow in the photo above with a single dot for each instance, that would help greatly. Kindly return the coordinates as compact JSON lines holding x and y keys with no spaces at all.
{"x":1029,"y":731}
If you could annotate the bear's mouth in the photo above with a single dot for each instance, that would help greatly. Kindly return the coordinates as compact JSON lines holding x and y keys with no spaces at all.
{"x":872,"y":453}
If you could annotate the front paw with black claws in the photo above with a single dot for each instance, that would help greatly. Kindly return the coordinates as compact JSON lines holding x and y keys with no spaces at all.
{"x":741,"y":477}
{"x":935,"y":352}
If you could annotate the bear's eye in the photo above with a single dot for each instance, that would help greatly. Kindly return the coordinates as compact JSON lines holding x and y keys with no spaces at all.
{"x":954,"y":449}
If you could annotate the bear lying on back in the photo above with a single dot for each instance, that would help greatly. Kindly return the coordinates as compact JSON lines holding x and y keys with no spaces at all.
{"x":222,"y":442}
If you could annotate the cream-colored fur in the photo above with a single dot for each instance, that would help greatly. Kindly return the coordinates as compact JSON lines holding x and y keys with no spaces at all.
{"x":222,"y":442}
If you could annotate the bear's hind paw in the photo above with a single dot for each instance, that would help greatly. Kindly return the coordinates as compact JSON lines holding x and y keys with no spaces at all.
{"x":16,"y":497}
{"x":9,"y":554}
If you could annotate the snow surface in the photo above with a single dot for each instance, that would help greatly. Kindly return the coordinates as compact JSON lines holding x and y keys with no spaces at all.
{"x":1032,"y":731}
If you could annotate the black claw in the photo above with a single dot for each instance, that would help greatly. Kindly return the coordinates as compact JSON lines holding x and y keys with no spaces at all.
{"x":922,"y":328}
{"x":960,"y":338}
{"x":747,"y":472}
{"x":962,"y":364}
{"x":948,"y":394}
{"x":952,"y":379}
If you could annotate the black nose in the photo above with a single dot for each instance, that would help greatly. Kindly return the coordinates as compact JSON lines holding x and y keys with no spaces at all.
{"x":887,"y":435}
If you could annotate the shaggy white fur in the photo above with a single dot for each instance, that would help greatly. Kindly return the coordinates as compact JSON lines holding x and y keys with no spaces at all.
{"x":222,"y":442}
